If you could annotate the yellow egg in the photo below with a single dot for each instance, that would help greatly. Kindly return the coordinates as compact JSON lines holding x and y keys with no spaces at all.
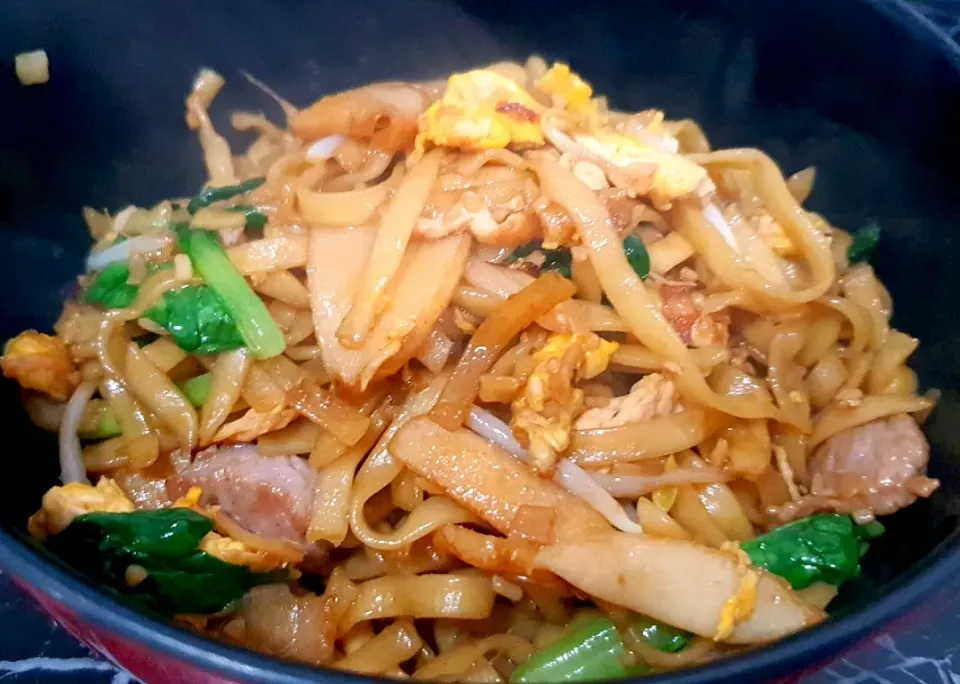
{"x":481,"y":110}
{"x":666,"y":497}
{"x":672,"y":176}
{"x":739,"y":606}
{"x":567,"y":89}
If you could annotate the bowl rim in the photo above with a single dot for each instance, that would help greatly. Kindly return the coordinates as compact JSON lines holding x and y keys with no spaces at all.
{"x":807,"y":648}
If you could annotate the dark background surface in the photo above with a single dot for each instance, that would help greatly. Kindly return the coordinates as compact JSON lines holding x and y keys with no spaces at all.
{"x":922,"y":647}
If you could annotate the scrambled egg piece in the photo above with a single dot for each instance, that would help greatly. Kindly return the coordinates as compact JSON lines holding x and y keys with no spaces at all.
{"x":653,"y":396}
{"x":597,"y":352}
{"x":666,"y":497}
{"x":40,"y":362}
{"x":481,"y":110}
{"x":235,"y":552}
{"x":664,"y":177}
{"x":741,"y":605}
{"x":567,"y":89}
{"x":545,"y":409}
{"x":62,"y":505}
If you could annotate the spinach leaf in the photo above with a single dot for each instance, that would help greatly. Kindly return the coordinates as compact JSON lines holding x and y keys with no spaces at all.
{"x":821,"y":548}
{"x":179,"y":578}
{"x":864,"y":242}
{"x":197,"y":320}
{"x":110,"y":288}
{"x":211,"y":195}
{"x":637,"y":255}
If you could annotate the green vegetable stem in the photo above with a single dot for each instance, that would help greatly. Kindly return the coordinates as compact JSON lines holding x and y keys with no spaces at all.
{"x":176,"y":576}
{"x":210,"y":260}
{"x":590,"y":653}
{"x":197,"y":389}
{"x":821,"y":548}
{"x":658,"y":635}
{"x":211,"y":195}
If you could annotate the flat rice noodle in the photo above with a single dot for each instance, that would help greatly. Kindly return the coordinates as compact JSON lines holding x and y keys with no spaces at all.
{"x":575,"y":315}
{"x":269,"y":254}
{"x":677,"y":582}
{"x":836,"y":418}
{"x":421,"y":291}
{"x":330,"y":412}
{"x":643,"y":439}
{"x":489,"y":481}
{"x":466,"y":597}
{"x":334,"y":268}
{"x":491,"y":338}
{"x":396,"y":644}
{"x":494,"y":554}
{"x":639,"y":308}
{"x":345,"y":208}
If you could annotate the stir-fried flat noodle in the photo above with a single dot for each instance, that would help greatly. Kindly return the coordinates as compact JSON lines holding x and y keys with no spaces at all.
{"x":480,"y":366}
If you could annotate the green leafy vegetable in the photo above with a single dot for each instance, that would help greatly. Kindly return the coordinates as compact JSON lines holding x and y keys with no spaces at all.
{"x":210,"y":260}
{"x":179,"y":578}
{"x":197,"y":389}
{"x":255,"y":219}
{"x":110,"y":288}
{"x":524,"y":251}
{"x":821,"y":548}
{"x":660,"y":636}
{"x":211,"y":195}
{"x":558,"y":260}
{"x":637,"y":255}
{"x":198,"y":320}
{"x":864,"y":242}
{"x":589,"y":653}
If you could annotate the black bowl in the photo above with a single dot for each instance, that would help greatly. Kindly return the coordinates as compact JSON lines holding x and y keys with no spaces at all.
{"x":869,"y":92}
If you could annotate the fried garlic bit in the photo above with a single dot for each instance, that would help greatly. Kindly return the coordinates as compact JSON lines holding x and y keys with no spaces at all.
{"x":62,"y":505}
{"x":546,"y":407}
{"x":40,"y":362}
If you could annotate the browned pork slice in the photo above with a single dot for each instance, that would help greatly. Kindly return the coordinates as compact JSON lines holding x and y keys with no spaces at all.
{"x":872,"y":469}
{"x":272,"y":497}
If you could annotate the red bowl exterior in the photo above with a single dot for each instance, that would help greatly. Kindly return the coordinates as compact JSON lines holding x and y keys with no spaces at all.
{"x":131,"y":656}
{"x":153,"y":667}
